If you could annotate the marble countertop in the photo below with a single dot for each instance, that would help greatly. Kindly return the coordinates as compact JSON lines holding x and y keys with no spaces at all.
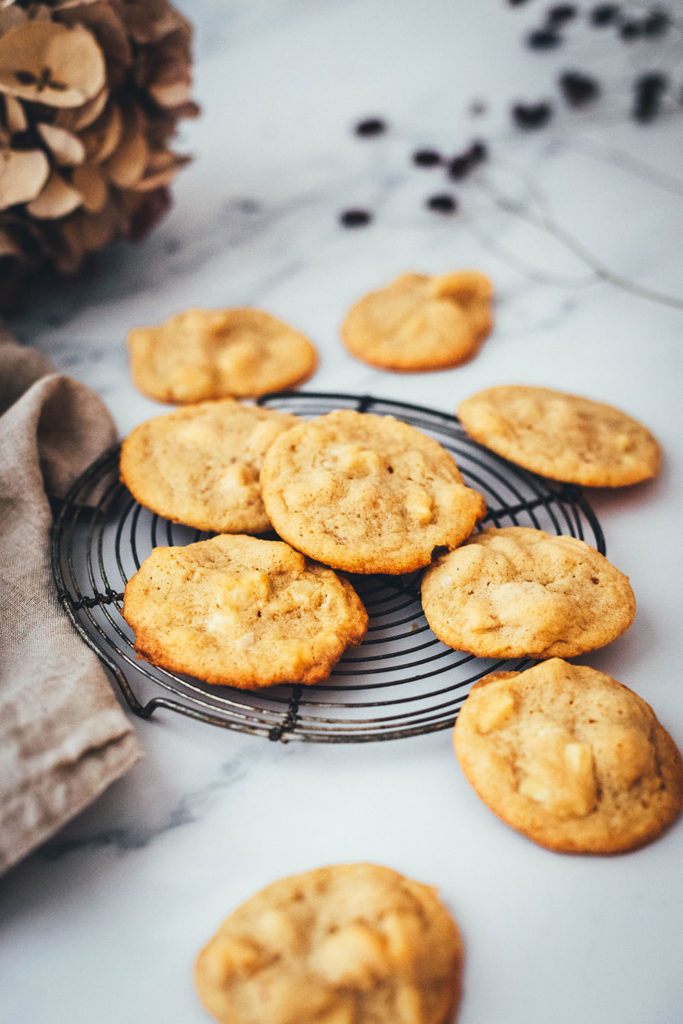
{"x":578,"y":224}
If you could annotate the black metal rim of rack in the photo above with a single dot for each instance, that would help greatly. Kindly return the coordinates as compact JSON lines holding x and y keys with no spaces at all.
{"x":401,"y":682}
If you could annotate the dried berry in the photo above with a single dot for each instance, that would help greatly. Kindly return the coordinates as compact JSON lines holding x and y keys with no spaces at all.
{"x":653,"y":81}
{"x":355,"y":218}
{"x":578,"y":88}
{"x":561,"y":13}
{"x":604,"y":14}
{"x":426,"y":158}
{"x":543,"y":39}
{"x":630,"y":30}
{"x":656,"y":23}
{"x":442,"y":203}
{"x":459,"y":167}
{"x":370,"y":126}
{"x":478,"y":152}
{"x":532,"y":115}
{"x":649,"y":89}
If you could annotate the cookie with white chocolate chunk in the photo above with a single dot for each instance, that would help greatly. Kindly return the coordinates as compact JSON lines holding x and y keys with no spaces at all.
{"x":202,"y":354}
{"x":343,"y":944}
{"x":516,"y":591}
{"x":366,"y":493}
{"x":242,"y":612}
{"x":562,"y":436}
{"x":421,"y":323}
{"x":570,"y":757}
{"x":200,"y":465}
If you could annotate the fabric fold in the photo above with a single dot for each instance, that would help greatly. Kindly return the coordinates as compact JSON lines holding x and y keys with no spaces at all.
{"x":63,"y":736}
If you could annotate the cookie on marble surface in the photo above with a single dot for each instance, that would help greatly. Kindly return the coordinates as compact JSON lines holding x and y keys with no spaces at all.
{"x":200,"y":465}
{"x":570,"y":757}
{"x":243,"y":612}
{"x":421,"y":323}
{"x":346,"y":944}
{"x":366,"y":493}
{"x":203,"y":354}
{"x":516,"y":591}
{"x":561,"y":436}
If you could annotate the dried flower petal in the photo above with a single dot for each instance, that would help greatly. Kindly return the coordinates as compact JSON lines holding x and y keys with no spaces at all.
{"x":96,"y":231}
{"x":103,"y":137}
{"x":11,"y":17}
{"x":168,"y":63}
{"x":127,"y":165}
{"x":104,"y":23}
{"x":8,"y":245}
{"x":62,"y":5}
{"x":78,"y":118}
{"x":67,"y":149}
{"x":171,"y":94}
{"x":22,"y":175}
{"x":82,"y":233}
{"x":187,"y":110}
{"x":56,"y":200}
{"x":15,"y":116}
{"x":68,"y":250}
{"x":49,"y":63}
{"x":161,"y":171}
{"x":90,"y":182}
{"x":151,"y":21}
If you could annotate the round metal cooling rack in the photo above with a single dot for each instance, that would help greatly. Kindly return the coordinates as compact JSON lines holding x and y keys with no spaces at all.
{"x":400,"y":682}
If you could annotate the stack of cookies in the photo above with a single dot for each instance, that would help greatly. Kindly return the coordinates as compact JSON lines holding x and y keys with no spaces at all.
{"x":348,"y":491}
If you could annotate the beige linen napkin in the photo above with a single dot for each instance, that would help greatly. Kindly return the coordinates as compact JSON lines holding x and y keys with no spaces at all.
{"x":63,"y":736}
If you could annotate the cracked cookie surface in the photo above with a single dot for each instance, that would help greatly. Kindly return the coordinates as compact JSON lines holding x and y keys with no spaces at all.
{"x":517,"y":591}
{"x":200,"y":465}
{"x":562,"y":436}
{"x":421,"y":323}
{"x":570,"y":757}
{"x":345,"y":944}
{"x":243,"y":612}
{"x":203,"y":354}
{"x":366,"y":493}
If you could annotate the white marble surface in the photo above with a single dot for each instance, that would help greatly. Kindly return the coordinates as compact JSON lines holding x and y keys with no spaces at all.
{"x":102,"y":924}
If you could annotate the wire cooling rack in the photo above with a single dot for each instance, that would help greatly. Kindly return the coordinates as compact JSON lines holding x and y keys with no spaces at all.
{"x":402,"y":681}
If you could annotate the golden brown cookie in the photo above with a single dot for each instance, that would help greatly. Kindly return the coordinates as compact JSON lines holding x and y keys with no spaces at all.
{"x":200,"y":464}
{"x":202,"y":354}
{"x":561,"y":436}
{"x":366,"y":493}
{"x":570,"y":757}
{"x":346,"y":944}
{"x":421,"y":323}
{"x":243,"y":612}
{"x":516,"y":591}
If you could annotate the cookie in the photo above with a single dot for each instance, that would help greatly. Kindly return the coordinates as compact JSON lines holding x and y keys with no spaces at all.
{"x":569,"y":757}
{"x":202,"y":354}
{"x":515,"y":591}
{"x":366,"y":493}
{"x":421,"y":323}
{"x":242,"y":612}
{"x":200,"y":464}
{"x":561,"y":436}
{"x":346,"y":944}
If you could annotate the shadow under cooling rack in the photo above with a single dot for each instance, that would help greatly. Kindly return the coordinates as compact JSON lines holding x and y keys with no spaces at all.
{"x":402,"y":681}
